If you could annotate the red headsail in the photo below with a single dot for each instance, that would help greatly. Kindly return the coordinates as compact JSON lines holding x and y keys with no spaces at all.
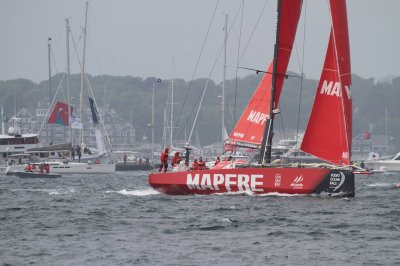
{"x":328,"y":134}
{"x":249,"y":130}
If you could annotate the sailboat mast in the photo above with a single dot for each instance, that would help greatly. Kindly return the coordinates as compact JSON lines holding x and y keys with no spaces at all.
{"x":67,"y":80}
{"x":152,"y":121}
{"x":266,"y":145}
{"x":83,"y":75}
{"x":50,"y":95}
{"x":223,"y":84}
{"x":172,"y":102}
{"x":2,"y":122}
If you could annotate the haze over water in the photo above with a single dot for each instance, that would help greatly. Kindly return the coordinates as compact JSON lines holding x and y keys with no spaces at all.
{"x":119,"y":219}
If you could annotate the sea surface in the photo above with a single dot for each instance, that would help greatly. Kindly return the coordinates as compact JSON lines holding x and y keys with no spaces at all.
{"x":119,"y":220}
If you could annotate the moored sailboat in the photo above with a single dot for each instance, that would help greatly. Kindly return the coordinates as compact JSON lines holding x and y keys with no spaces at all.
{"x":332,"y":143}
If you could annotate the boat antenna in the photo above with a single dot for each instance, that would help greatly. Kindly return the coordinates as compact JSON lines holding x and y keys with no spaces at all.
{"x":266,"y":145}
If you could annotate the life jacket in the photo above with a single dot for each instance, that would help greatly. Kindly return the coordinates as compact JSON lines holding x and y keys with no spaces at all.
{"x":195,"y":166}
{"x":202,"y":165}
{"x":176,"y":160}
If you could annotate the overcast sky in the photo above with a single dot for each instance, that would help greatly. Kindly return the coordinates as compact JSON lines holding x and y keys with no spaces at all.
{"x":143,"y":38}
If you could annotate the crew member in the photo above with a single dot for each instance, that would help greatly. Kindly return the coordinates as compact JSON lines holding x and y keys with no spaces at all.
{"x":201,"y":164}
{"x":195,"y":165}
{"x":187,"y":148}
{"x":176,"y":159}
{"x":217,"y":161}
{"x":46,"y":168}
{"x":28,"y":168}
{"x":41,"y":168}
{"x":164,"y":160}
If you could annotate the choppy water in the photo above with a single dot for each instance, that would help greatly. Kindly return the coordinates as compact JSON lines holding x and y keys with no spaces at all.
{"x":120,"y":220}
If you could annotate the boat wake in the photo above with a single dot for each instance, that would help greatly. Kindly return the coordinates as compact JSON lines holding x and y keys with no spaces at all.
{"x":43,"y":190}
{"x":137,"y":192}
{"x":381,"y":185}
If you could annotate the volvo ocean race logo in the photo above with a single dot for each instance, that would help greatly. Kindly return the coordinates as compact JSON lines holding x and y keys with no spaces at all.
{"x":297,"y":182}
{"x":336,"y":180}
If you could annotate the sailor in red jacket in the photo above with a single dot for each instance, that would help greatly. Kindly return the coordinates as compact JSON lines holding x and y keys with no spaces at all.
{"x":164,"y":160}
{"x":201,"y":164}
{"x":176,"y":159}
{"x":195,"y":165}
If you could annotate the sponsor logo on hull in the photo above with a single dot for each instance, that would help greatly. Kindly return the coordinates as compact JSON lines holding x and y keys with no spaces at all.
{"x":297,"y":182}
{"x":216,"y":182}
{"x":336,"y":180}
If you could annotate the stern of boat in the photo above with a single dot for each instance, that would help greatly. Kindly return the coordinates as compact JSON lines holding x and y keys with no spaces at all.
{"x":337,"y":183}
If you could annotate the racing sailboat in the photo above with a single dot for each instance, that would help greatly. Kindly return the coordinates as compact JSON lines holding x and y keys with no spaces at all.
{"x":328,"y":134}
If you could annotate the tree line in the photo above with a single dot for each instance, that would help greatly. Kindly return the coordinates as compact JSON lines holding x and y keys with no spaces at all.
{"x":131,"y":98}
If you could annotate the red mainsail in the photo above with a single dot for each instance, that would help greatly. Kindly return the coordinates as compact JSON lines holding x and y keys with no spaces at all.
{"x":328,"y":134}
{"x":249,"y":129}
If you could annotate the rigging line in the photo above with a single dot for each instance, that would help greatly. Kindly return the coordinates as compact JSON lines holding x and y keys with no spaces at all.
{"x":53,"y":60}
{"x":55,"y":66}
{"x":237,"y":64}
{"x":297,"y":147}
{"x":214,"y":63}
{"x":266,"y":72}
{"x":51,"y":104}
{"x":94,"y":54}
{"x":198,"y":61}
{"x":254,"y":29}
{"x":295,"y":44}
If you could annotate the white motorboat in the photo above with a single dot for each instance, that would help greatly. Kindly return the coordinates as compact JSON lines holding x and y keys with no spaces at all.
{"x":65,"y":167}
{"x":14,"y":142}
{"x":382,"y":165}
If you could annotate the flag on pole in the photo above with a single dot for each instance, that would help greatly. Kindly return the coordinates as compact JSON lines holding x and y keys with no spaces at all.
{"x":60,"y":114}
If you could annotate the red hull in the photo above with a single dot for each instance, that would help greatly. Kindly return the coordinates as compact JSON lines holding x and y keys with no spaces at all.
{"x":255,"y":180}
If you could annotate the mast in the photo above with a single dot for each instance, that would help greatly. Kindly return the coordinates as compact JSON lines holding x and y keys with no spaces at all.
{"x":67,"y":81}
{"x":172,"y":102}
{"x":152,"y":122}
{"x":223,"y":84}
{"x":50,"y":95}
{"x":83,"y":76}
{"x":3,"y":132}
{"x":266,"y":145}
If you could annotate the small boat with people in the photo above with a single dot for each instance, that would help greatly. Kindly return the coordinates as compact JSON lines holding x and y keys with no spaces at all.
{"x":35,"y":175}
{"x":41,"y":171}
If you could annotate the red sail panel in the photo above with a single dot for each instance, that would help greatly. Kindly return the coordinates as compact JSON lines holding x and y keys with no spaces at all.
{"x":59,"y":115}
{"x":328,"y":134}
{"x":249,"y":129}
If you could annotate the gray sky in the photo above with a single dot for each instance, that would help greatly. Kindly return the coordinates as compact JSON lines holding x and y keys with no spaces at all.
{"x":144,"y":38}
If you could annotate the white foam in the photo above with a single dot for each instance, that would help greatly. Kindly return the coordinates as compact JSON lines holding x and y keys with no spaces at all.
{"x":279,"y":194}
{"x":380,"y":185}
{"x":226,"y":220}
{"x":137,"y":193}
